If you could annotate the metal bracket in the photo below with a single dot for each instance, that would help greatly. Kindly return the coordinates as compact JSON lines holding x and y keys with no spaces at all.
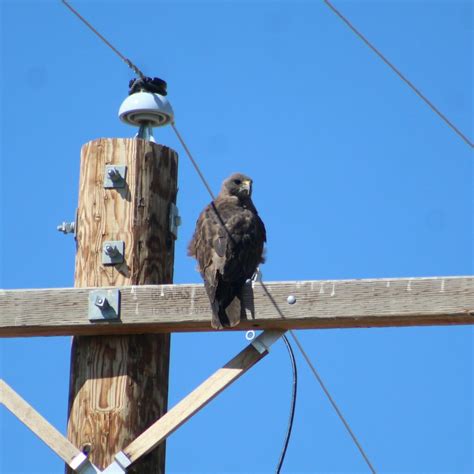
{"x":263,"y":342}
{"x":82,"y":465}
{"x":115,"y":176}
{"x":174,"y":220}
{"x":113,"y":252}
{"x":104,"y":305}
{"x":120,"y":464}
{"x":67,"y":227}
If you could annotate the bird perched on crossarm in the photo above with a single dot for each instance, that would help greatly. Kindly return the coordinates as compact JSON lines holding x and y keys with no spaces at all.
{"x":228,"y":245}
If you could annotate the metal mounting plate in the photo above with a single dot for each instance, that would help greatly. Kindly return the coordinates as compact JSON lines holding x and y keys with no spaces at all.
{"x":112,"y":258}
{"x":104,"y":305}
{"x":263,"y":342}
{"x":174,"y":220}
{"x":119,"y":180}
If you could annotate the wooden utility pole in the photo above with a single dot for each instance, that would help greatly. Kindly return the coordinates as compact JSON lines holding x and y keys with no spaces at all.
{"x":119,"y":384}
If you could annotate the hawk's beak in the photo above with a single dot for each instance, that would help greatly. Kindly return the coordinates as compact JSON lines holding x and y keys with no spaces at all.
{"x":247,"y":185}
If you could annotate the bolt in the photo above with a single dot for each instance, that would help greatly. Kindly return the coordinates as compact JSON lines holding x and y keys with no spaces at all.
{"x":86,"y":448}
{"x":66,"y":227}
{"x":111,"y":250}
{"x":101,"y":302}
{"x":291,"y":299}
{"x":114,"y":174}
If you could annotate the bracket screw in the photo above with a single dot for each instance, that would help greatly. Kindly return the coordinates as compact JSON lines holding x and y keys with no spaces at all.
{"x":67,"y":227}
{"x":86,"y":448}
{"x":111,"y":250}
{"x":291,"y":299}
{"x":101,"y":302}
{"x":114,"y":175}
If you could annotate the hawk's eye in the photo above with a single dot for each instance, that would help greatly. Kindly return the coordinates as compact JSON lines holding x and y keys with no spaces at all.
{"x":237,"y":181}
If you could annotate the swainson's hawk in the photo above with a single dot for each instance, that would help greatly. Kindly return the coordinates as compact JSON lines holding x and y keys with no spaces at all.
{"x":228,"y":245}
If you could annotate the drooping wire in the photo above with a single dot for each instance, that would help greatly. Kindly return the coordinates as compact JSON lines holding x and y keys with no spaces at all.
{"x":331,"y":400}
{"x":294,"y":391}
{"x":398,"y":73}
{"x":115,"y":50}
{"x":320,"y":380}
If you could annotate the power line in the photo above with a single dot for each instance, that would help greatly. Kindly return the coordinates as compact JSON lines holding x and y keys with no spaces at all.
{"x":398,"y":73}
{"x":294,"y":392}
{"x":139,"y":73}
{"x":115,"y":50}
{"x":331,"y":400}
{"x":321,"y":383}
{"x":193,"y":161}
{"x":142,"y":76}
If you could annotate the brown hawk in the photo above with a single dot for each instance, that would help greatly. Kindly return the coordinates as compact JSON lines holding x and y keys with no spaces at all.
{"x":228,"y":244}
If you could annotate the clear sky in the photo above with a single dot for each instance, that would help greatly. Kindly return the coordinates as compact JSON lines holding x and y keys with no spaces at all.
{"x":353,"y":175}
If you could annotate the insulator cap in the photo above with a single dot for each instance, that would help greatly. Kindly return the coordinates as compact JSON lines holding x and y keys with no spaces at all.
{"x":146,"y":108}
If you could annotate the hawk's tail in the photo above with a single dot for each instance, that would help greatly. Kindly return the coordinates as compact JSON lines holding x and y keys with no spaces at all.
{"x":225,"y":316}
{"x":225,"y":304}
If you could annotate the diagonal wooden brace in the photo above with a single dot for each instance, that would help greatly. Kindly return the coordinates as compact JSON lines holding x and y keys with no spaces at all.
{"x":197,"y":399}
{"x":157,"y":432}
{"x":45,"y":431}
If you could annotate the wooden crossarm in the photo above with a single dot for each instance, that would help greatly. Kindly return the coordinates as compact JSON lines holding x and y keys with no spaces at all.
{"x":44,"y":430}
{"x":174,"y":308}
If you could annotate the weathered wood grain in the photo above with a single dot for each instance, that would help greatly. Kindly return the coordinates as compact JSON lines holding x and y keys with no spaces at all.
{"x":36,"y":423}
{"x":119,"y":384}
{"x":319,"y":304}
{"x":137,"y":214}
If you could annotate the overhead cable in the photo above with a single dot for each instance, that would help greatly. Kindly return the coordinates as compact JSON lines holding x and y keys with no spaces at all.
{"x":139,"y":73}
{"x":294,"y":391}
{"x":333,"y":403}
{"x":115,"y":50}
{"x":321,"y":383}
{"x":193,"y":161}
{"x":399,"y":74}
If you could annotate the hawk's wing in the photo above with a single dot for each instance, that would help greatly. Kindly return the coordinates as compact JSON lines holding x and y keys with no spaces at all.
{"x":209,"y":247}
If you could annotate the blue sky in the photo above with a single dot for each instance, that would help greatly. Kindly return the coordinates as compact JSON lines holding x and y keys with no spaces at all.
{"x":353,"y":175}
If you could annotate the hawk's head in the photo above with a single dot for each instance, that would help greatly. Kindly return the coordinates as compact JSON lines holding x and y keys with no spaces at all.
{"x":238,"y":185}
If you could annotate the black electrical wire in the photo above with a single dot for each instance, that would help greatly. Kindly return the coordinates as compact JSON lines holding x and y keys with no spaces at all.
{"x":292,"y":404}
